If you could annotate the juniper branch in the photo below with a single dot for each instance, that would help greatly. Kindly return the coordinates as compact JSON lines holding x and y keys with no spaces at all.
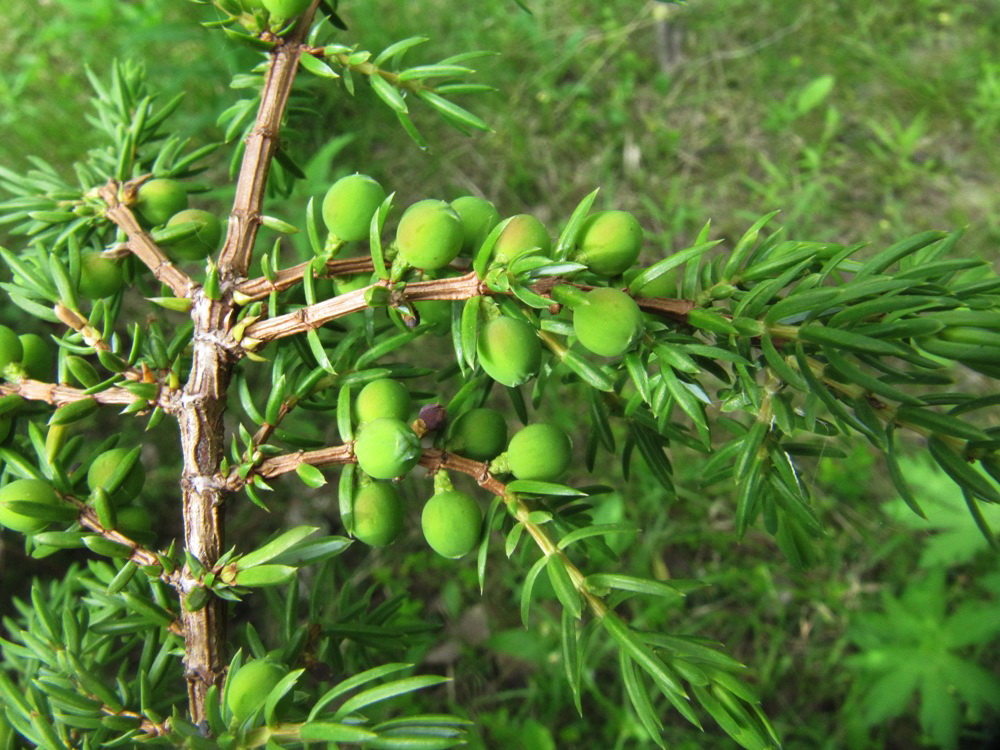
{"x":139,"y":241}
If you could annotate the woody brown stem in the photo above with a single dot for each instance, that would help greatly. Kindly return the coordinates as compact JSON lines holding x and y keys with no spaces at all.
{"x":202,"y":404}
{"x":315,"y":316}
{"x":141,"y":244}
{"x":261,"y":145}
{"x":463,"y":287}
{"x":72,"y":319}
{"x":255,"y":289}
{"x":139,"y":554}
{"x":435,"y":460}
{"x":60,"y":395}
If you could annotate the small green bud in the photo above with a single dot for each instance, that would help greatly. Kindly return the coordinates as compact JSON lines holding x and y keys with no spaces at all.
{"x":378,"y":514}
{"x":522,"y":233}
{"x":608,"y":322}
{"x":478,"y":216}
{"x":249,"y":687}
{"x":159,"y":199}
{"x":609,"y":242}
{"x":383,"y":398}
{"x":29,"y":491}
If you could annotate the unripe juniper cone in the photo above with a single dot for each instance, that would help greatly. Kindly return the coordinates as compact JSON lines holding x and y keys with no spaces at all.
{"x":248,"y":688}
{"x":382,"y":398}
{"x":429,"y":235}
{"x":350,"y":204}
{"x":158,"y":200}
{"x":540,"y":451}
{"x":664,"y":285}
{"x":387,"y":448}
{"x":478,"y":216}
{"x":509,"y":351}
{"x":285,"y":9}
{"x":378,"y":514}
{"x":522,"y":233}
{"x":136,"y":523}
{"x":345,"y":284}
{"x":436,"y":314}
{"x":104,"y":466}
{"x":452,"y":523}
{"x":11,"y":349}
{"x":607,"y":322}
{"x":29,"y":491}
{"x":480,"y":434}
{"x":99,"y":277}
{"x":609,"y":242}
{"x":203,"y":242}
{"x":37,"y":358}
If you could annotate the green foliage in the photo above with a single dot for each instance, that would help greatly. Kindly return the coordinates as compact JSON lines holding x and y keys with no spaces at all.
{"x":736,"y":362}
{"x":917,"y":649}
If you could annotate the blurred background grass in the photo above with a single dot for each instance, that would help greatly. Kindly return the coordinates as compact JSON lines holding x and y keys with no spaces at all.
{"x":860,"y":121}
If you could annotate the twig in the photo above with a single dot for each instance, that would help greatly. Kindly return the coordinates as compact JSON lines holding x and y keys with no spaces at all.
{"x":259,"y":288}
{"x":458,"y":288}
{"x":435,"y":460}
{"x":261,"y":145}
{"x":139,"y":554}
{"x":60,"y":395}
{"x":73,"y":320}
{"x":203,"y":402}
{"x":273,"y":467}
{"x":141,"y":244}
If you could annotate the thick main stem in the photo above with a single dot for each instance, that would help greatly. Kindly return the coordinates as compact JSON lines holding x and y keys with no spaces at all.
{"x":203,"y":404}
{"x":261,"y":145}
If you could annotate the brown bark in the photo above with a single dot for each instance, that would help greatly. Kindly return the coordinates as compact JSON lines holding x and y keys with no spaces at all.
{"x":286,"y":278}
{"x":60,"y":395}
{"x":141,"y":244}
{"x":202,"y":405}
{"x":203,"y":402}
{"x":458,"y":288}
{"x":261,"y":146}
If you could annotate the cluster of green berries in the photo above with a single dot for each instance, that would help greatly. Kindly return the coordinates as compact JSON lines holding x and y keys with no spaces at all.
{"x":164,"y":202}
{"x":161,"y":203}
{"x":26,"y":355}
{"x":24,"y":503}
{"x":433,"y":233}
{"x":387,"y":448}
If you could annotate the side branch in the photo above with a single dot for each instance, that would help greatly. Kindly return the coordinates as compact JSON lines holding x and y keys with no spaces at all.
{"x":457,"y":288}
{"x":60,"y":395}
{"x":74,"y":320}
{"x":437,"y":460}
{"x":139,"y":554}
{"x":259,"y":288}
{"x":261,"y":145}
{"x":141,"y":244}
{"x":318,"y":315}
{"x":272,"y":467}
